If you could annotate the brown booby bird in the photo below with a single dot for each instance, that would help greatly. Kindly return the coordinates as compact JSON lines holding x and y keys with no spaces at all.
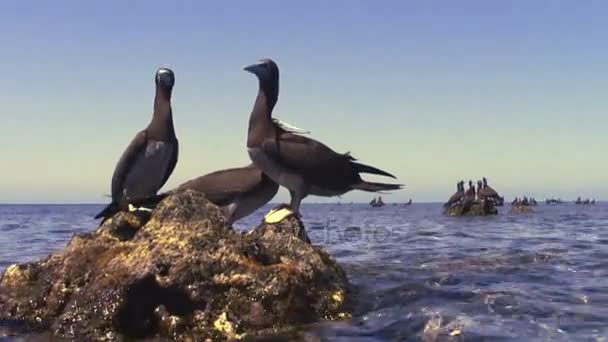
{"x":469,"y":197}
{"x":149,"y":160}
{"x":481,"y":195}
{"x":238,"y":191}
{"x":457,"y":196}
{"x":488,"y":191}
{"x":302,"y":165}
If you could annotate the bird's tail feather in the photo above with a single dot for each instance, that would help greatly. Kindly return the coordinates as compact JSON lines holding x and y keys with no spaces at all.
{"x":376,"y":187}
{"x":108,"y":211}
{"x":370,"y":169}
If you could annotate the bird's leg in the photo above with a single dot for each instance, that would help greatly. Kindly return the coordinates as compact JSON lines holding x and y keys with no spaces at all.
{"x":296,"y":199}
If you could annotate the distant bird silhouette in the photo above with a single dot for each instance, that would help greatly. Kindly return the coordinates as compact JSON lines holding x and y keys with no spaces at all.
{"x":481,"y":194}
{"x":488,"y":191}
{"x":469,"y":198}
{"x":457,"y":196}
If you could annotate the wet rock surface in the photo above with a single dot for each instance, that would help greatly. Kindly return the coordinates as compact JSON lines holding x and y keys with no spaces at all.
{"x":477,"y":208}
{"x":179,"y":272}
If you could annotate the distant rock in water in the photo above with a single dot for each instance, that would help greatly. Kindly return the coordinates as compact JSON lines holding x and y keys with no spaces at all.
{"x":521,"y":209}
{"x":477,"y":208}
{"x":180,"y":273}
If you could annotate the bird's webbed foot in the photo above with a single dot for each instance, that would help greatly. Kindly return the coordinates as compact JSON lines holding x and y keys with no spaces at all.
{"x":280,"y":213}
{"x":133,"y":208}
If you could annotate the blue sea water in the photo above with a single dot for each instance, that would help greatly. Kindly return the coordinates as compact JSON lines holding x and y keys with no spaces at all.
{"x":419,"y":275}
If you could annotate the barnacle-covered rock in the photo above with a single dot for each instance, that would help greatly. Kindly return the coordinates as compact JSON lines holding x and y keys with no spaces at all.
{"x":179,"y":272}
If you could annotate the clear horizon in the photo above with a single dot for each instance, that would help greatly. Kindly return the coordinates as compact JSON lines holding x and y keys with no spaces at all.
{"x":432,"y":92}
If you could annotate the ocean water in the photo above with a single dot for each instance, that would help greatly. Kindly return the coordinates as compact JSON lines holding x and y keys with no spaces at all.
{"x":418,"y":275}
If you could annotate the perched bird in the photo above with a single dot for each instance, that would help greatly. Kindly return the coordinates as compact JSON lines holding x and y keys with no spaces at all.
{"x":303,"y":165}
{"x":469,"y":197}
{"x":149,"y":160}
{"x":488,"y":191}
{"x":238,"y":191}
{"x":481,"y":195}
{"x":457,"y":196}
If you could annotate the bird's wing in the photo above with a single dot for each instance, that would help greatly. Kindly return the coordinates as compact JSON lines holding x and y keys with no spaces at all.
{"x":137,"y":146}
{"x":319,"y":164}
{"x":490,"y":191}
{"x":455,"y":197}
{"x":172,"y":163}
{"x":222,"y":187}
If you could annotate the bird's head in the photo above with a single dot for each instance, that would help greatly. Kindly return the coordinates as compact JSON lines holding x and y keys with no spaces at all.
{"x":165,"y":78}
{"x":266,"y":70}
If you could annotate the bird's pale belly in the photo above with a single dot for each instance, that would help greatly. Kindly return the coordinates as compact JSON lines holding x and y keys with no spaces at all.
{"x":146,"y":176}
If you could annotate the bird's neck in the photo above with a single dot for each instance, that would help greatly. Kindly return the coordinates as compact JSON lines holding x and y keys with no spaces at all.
{"x":260,"y":120}
{"x":161,"y":126}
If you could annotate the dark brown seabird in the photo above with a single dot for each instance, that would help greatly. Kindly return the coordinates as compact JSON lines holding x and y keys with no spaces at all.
{"x":481,"y":194}
{"x":487,"y":190}
{"x":238,"y":191}
{"x":303,"y":165}
{"x":469,"y":197}
{"x":457,"y":196}
{"x":149,"y":160}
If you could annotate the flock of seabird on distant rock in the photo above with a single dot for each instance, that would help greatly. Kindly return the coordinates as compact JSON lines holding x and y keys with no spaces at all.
{"x":483,"y":192}
{"x":280,"y":155}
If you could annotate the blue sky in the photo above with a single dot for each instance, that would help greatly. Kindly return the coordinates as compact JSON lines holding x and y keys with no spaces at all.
{"x":433,"y":91}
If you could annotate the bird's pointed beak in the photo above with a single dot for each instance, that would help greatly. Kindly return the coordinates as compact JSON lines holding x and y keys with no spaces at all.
{"x":253,"y":68}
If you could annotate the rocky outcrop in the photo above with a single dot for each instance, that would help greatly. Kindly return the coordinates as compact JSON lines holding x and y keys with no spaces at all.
{"x":179,"y":272}
{"x":477,"y":208}
{"x":521,"y":209}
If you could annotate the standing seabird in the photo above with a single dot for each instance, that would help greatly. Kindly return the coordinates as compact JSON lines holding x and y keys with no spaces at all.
{"x":302,"y":165}
{"x":488,"y":191}
{"x":457,"y":196}
{"x":469,"y":197}
{"x":149,"y":160}
{"x":481,"y":194}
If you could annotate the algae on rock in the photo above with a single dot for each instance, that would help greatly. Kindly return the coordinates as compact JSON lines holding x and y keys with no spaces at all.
{"x":179,"y":273}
